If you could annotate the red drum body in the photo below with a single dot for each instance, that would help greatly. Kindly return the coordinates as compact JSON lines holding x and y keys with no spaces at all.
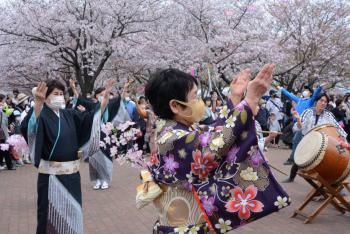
{"x":321,"y":151}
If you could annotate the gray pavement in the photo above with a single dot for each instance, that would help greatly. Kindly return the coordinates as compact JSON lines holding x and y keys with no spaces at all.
{"x":114,"y":211}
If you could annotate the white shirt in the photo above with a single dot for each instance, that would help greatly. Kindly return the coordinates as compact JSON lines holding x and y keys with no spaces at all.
{"x":274,"y":105}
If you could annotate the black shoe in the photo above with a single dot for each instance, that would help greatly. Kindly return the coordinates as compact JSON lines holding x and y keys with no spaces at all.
{"x":288,"y":162}
{"x":289,"y":180}
{"x":12,"y":169}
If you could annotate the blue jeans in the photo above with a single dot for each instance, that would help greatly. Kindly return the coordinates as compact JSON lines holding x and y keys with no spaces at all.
{"x":298,"y":136}
{"x":296,"y":139}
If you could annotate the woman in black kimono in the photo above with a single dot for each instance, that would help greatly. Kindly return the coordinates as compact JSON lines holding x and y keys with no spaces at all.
{"x":101,"y":163}
{"x":54,"y":135}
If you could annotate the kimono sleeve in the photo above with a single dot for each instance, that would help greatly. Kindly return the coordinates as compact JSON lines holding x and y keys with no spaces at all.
{"x":195,"y":153}
{"x":89,"y":105}
{"x":28,"y":123}
{"x":113,"y":108}
{"x":84,"y":122}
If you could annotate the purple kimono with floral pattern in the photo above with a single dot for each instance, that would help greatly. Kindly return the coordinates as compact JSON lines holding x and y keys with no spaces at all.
{"x":224,"y":166}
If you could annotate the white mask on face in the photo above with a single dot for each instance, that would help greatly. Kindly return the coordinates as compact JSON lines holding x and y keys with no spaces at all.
{"x":27,"y":108}
{"x":57,"y":102}
{"x":100,"y":98}
{"x":306,"y":94}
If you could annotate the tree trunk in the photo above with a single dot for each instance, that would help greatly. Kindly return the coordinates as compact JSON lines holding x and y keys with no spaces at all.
{"x":87,"y":86}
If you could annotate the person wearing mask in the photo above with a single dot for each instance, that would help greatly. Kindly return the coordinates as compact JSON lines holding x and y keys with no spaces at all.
{"x":55,"y":135}
{"x":311,"y":118}
{"x":263,"y":115}
{"x":301,"y":104}
{"x":101,"y":163}
{"x":25,"y":112}
{"x":202,"y":189}
{"x":274,"y":105}
{"x":4,"y":134}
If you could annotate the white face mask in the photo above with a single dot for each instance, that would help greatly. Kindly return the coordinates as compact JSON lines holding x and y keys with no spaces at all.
{"x":57,"y":102}
{"x":27,"y":108}
{"x":306,"y":94}
{"x":100,"y":98}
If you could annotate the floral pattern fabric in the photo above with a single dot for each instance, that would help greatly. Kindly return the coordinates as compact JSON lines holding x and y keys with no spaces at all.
{"x":222,"y":164}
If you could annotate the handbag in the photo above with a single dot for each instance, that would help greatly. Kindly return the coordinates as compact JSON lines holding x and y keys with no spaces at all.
{"x":147,"y":191}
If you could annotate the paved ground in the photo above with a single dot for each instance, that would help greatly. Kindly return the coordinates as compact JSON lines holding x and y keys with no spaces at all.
{"x":113,"y":211}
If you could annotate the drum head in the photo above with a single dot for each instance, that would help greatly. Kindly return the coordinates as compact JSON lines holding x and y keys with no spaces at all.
{"x":317,"y":128}
{"x":308,"y":149}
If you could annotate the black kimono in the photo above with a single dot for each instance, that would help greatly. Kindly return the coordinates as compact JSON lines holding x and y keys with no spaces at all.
{"x":101,"y":163}
{"x":55,"y":139}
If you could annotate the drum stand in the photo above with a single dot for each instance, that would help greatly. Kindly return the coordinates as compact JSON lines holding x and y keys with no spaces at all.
{"x":331,"y":193}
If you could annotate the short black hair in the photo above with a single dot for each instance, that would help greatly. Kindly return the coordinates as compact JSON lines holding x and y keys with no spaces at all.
{"x":140,"y":98}
{"x":207,"y":99}
{"x":323,"y":95}
{"x":308,"y":88}
{"x":212,"y":92}
{"x":166,"y":85}
{"x":54,"y":84}
{"x":338,"y":102}
{"x":2,"y":97}
{"x":98,"y":91}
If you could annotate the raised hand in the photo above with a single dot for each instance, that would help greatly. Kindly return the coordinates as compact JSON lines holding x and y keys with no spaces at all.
{"x":239,"y":85}
{"x":72,"y":84}
{"x":296,"y":114}
{"x":40,"y":94}
{"x":81,"y":108}
{"x":73,"y":87}
{"x":258,"y":87}
{"x":108,"y":88}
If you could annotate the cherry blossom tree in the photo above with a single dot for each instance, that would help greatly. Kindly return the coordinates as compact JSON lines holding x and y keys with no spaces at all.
{"x":91,"y":40}
{"x":77,"y":37}
{"x":311,"y":41}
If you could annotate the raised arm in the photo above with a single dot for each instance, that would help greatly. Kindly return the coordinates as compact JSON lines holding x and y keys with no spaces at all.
{"x":316,"y":93}
{"x":40,"y":96}
{"x":108,"y":88}
{"x":288,"y":94}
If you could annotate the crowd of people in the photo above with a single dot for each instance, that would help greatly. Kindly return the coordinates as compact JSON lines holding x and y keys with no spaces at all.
{"x":282,"y":118}
{"x":14,"y":107}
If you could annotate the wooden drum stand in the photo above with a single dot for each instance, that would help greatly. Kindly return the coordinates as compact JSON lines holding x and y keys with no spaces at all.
{"x":331,"y":193}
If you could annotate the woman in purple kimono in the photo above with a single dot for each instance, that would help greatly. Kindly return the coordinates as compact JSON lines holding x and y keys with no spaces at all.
{"x":213,"y":179}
